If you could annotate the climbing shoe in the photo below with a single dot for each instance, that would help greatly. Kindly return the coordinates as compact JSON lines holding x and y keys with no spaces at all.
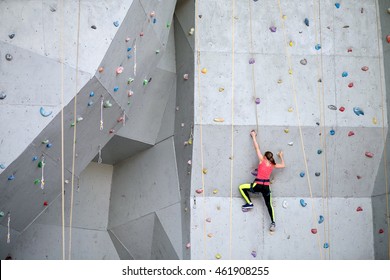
{"x":272,"y":227}
{"x":247,"y":206}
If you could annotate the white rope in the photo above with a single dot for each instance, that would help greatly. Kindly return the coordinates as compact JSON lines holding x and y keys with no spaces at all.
{"x":43,"y":172}
{"x":101,"y":112}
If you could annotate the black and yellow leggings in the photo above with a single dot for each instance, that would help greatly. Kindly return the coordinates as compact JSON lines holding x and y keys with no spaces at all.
{"x":264,"y":190}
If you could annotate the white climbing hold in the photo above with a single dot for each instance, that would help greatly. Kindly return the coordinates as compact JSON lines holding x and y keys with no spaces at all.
{"x":284,"y":204}
{"x":191,"y":31}
{"x":219,"y":119}
{"x":291,"y":143}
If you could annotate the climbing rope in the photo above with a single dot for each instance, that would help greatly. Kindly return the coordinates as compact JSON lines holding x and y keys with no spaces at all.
{"x":299,"y":121}
{"x":74,"y":131}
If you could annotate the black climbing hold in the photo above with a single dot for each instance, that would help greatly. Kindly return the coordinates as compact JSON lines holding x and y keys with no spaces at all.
{"x":306,"y":21}
{"x":150,"y":80}
{"x":317,"y":174}
{"x":93,"y":26}
{"x":317,"y":123}
{"x":52,"y":9}
{"x":200,"y":16}
{"x":11,"y":36}
{"x":2,"y":95}
{"x":332,"y":107}
{"x":8,"y":57}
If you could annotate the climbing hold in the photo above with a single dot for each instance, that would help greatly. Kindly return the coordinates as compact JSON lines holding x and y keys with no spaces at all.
{"x":303,"y":61}
{"x":303,"y":203}
{"x":188,"y":245}
{"x":321,"y":219}
{"x":116,"y":23}
{"x":45,"y":203}
{"x":286,"y":130}
{"x":157,"y":51}
{"x":210,"y":235}
{"x":313,"y":230}
{"x":107,"y":104}
{"x":290,"y":109}
{"x":254,"y":254}
{"x":369,"y":154}
{"x":326,"y":245}
{"x":257,"y":101}
{"x":359,"y":209}
{"x":388,"y":39}
{"x":280,"y":81}
{"x":204,"y":170}
{"x":185,"y":76}
{"x":364,"y":68}
{"x":91,"y":94}
{"x":341,"y":109}
{"x":381,"y":231}
{"x":168,"y":24}
{"x":191,"y":31}
{"x":221,"y":89}
{"x":2,"y":166}
{"x":8,"y":57}
{"x":332,"y":107}
{"x":11,"y":177}
{"x":130,"y":80}
{"x":319,"y":80}
{"x":319,"y":151}
{"x":318,"y":47}
{"x":208,"y":220}
{"x":344,"y":74}
{"x":219,"y":120}
{"x":351,"y":133}
{"x":112,"y":131}
{"x":346,"y":26}
{"x":152,"y":13}
{"x":218,"y":256}
{"x":349,"y":50}
{"x":290,"y":143}
{"x":93,"y":26}
{"x":37,"y":181}
{"x":358,"y":111}
{"x":130,"y":93}
{"x":44,"y":113}
{"x":291,"y":43}
{"x":116,"y":89}
{"x":199,"y":191}
{"x":2,"y":214}
{"x":145,"y":82}
{"x":2,"y":95}
{"x":284,"y":204}
{"x":49,"y":145}
{"x":119,"y":70}
{"x":350,"y":85}
{"x":337,"y":5}
{"x":332,"y":132}
{"x":215,"y":191}
{"x":252,"y":61}
{"x":101,"y":69}
{"x":45,"y":141}
{"x":79,"y":119}
{"x":272,"y":28}
{"x":90,"y":103}
{"x":204,"y":71}
{"x":306,"y":21}
{"x":374,"y":120}
{"x":358,"y":177}
{"x":41,"y":164}
{"x":317,"y":174}
{"x":141,"y":34}
{"x":302,"y":174}
{"x":11,"y":36}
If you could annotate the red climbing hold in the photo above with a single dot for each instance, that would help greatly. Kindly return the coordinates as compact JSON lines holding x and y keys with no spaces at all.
{"x":351,"y":133}
{"x":381,"y":231}
{"x":369,"y":154}
{"x":359,"y":209}
{"x":45,"y":203}
{"x":313,"y":230}
{"x":199,"y":191}
{"x":342,"y":109}
{"x":350,"y":85}
{"x":388,"y":39}
{"x":365,"y":68}
{"x":350,"y":50}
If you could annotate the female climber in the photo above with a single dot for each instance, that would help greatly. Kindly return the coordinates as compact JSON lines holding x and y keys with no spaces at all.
{"x":262,"y":182}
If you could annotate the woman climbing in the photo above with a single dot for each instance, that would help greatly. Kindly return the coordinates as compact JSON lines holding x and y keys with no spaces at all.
{"x":262,"y":182}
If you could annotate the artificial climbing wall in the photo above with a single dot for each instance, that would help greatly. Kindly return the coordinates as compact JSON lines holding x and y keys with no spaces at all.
{"x":308,"y":76}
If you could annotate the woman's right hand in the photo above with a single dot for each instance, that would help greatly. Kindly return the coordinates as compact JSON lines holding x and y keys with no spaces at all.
{"x":253,"y":133}
{"x":280,"y":154}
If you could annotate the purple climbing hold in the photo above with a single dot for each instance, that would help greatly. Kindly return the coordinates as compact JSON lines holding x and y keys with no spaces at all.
{"x":257,"y":101}
{"x":272,"y":28}
{"x":252,"y":61}
{"x":254,"y":254}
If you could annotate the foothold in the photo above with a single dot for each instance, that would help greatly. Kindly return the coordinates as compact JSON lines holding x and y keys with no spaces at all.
{"x":8,"y":57}
{"x":314,"y":231}
{"x":341,"y":109}
{"x":365,"y":68}
{"x":290,"y":71}
{"x":284,"y":204}
{"x":11,"y":177}
{"x":252,"y":61}
{"x":358,"y":177}
{"x":185,"y":76}
{"x":359,"y":209}
{"x":318,"y":47}
{"x":218,"y":256}
{"x":303,"y":61}
{"x":127,"y":39}
{"x":199,"y":191}
{"x":350,"y":85}
{"x":346,"y":26}
{"x":358,"y":111}
{"x":188,"y":245}
{"x":45,"y":141}
{"x":208,"y":220}
{"x":191,"y":31}
{"x":254,"y":254}
{"x":204,"y":71}
{"x":306,"y":21}
{"x":157,"y":51}
{"x":219,"y":120}
{"x":321,"y":219}
{"x":344,"y":74}
{"x":116,"y":89}
{"x":380,"y":231}
{"x":91,"y":94}
{"x":374,"y":120}
{"x":101,"y":69}
{"x":41,"y":164}
{"x":332,"y":107}
{"x":290,"y":143}
{"x":45,"y":203}
{"x":145,"y":82}
{"x":116,"y":23}
{"x":351,"y":133}
{"x":302,"y":174}
{"x":119,"y":70}
{"x":49,"y":145}
{"x":2,"y":95}
{"x":326,"y":245}
{"x":388,"y":39}
{"x":141,"y":34}
{"x":130,"y":80}
{"x":152,"y":13}
{"x":369,"y":154}
{"x":204,"y":171}
{"x":349,"y":50}
{"x":303,"y":203}
{"x":52,"y":9}
{"x":44,"y":113}
{"x":257,"y":101}
{"x":317,"y":174}
{"x":272,"y":28}
{"x":332,"y":132}
{"x":168,"y":24}
{"x":2,"y":166}
{"x":112,"y":131}
{"x":337,"y":5}
{"x":319,"y":151}
{"x":280,"y":81}
{"x":79,"y":119}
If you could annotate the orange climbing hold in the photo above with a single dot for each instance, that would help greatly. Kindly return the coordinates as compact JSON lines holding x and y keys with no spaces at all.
{"x":204,"y":71}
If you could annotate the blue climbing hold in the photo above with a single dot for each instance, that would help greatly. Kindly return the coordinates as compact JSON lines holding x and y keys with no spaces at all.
{"x":154,"y":20}
{"x":116,"y":89}
{"x":318,"y":47}
{"x":11,"y":177}
{"x":332,"y":132}
{"x":319,"y":151}
{"x":326,"y":245}
{"x":129,"y":56}
{"x":116,"y":23}
{"x":2,"y":166}
{"x":34,"y":158}
{"x":345,"y":74}
{"x":303,"y":203}
{"x":48,"y":145}
{"x":43,"y":112}
{"x":128,"y":49}
{"x":321,"y":219}
{"x":302,"y":174}
{"x":90,"y":103}
{"x":91,"y":94}
{"x":337,"y":5}
{"x":306,"y":21}
{"x":358,"y":111}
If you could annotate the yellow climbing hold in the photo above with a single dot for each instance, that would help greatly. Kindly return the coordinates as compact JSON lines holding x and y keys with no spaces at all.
{"x":204,"y":171}
{"x":290,"y":71}
{"x":290,"y":109}
{"x":218,"y":256}
{"x":189,"y":142}
{"x":284,"y":17}
{"x":291,"y":43}
{"x":374,"y":120}
{"x":286,"y":130}
{"x":280,"y":81}
{"x":219,"y":120}
{"x":215,"y":191}
{"x":221,"y":89}
{"x":204,"y":71}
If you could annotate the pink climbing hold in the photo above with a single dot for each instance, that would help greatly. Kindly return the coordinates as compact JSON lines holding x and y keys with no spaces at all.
{"x":341,"y":109}
{"x":351,"y":133}
{"x":119,"y":70}
{"x":199,"y":191}
{"x":313,"y":230}
{"x":188,"y":246}
{"x":350,"y":85}
{"x":369,"y":154}
{"x":365,"y":68}
{"x":257,"y":101}
{"x":141,"y":34}
{"x":120,"y":119}
{"x":112,"y":131}
{"x":272,"y":28}
{"x":359,"y":209}
{"x":381,"y":231}
{"x":185,"y":76}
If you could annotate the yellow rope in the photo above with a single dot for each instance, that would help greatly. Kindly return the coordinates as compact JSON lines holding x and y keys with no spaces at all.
{"x":74,"y":132}
{"x":232,"y":131}
{"x":380,"y":58}
{"x":299,"y":125}
{"x":62,"y":127}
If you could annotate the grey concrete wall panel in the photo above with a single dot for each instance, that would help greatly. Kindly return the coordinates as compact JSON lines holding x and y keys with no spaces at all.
{"x":162,"y":247}
{"x":44,"y":242}
{"x":137,"y":236}
{"x":143,"y":184}
{"x":168,"y":60}
{"x":93,"y":189}
{"x":171,"y":221}
{"x":185,"y":13}
{"x":380,"y":227}
{"x":168,"y":120}
{"x":123,"y":253}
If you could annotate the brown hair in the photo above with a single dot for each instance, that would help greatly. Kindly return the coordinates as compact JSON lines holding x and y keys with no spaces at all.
{"x":270,"y":157}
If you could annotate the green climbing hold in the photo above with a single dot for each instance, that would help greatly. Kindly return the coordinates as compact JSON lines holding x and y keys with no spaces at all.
{"x":2,"y":214}
{"x":41,"y":164}
{"x":218,"y":256}
{"x":37,"y":181}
